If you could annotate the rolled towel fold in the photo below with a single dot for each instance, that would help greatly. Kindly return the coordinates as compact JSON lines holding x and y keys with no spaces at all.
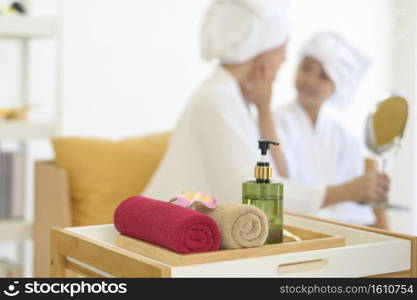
{"x":241,"y":225}
{"x":161,"y":223}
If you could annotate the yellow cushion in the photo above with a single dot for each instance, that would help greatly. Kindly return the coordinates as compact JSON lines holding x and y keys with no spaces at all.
{"x":102,"y":173}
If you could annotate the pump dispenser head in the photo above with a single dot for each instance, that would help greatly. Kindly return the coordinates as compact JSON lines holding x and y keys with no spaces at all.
{"x":263,"y":170}
{"x":264,"y":145}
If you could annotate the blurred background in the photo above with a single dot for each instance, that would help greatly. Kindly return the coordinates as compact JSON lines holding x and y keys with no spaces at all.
{"x":116,"y":69}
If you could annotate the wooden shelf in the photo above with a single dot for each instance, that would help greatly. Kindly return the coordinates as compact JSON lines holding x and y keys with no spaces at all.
{"x":26,"y":130}
{"x":26,"y":27}
{"x":15,"y":230}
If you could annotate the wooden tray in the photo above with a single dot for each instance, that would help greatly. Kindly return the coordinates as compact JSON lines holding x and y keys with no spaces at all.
{"x":311,"y":240}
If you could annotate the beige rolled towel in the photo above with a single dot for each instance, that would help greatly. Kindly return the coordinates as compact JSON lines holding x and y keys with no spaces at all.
{"x":240,"y":225}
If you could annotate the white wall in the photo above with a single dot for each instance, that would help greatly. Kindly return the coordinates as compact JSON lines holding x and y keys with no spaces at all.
{"x":403,"y":75}
{"x":129,"y":66}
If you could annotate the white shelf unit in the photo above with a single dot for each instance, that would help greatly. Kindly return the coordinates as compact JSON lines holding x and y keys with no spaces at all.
{"x":25,"y":130}
{"x":26,"y":27}
{"x":15,"y":230}
{"x":23,"y":29}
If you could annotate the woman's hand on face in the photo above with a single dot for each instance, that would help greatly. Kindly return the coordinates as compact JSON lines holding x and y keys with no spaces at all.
{"x":258,"y":88}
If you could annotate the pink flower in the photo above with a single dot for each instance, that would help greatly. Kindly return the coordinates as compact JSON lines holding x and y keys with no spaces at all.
{"x":188,"y":199}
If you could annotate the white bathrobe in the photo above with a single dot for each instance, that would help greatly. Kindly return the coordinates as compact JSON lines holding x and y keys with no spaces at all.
{"x":325,"y":155}
{"x":214,"y":149}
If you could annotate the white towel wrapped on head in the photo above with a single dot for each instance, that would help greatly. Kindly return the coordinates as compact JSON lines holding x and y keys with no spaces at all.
{"x":235,"y":31}
{"x":342,"y":62}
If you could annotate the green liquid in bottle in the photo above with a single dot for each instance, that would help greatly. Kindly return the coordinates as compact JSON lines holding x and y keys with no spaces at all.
{"x":269,"y":198}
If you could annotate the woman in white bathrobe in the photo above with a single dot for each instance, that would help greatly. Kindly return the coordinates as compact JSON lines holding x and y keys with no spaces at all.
{"x":319,"y":148}
{"x":214,"y":148}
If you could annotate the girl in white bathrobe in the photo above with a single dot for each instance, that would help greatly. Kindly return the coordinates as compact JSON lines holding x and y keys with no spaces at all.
{"x":214,"y":148}
{"x":319,"y":148}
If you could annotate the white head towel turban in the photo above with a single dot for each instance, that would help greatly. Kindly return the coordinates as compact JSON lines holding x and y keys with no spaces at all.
{"x":235,"y":31}
{"x":342,"y":62}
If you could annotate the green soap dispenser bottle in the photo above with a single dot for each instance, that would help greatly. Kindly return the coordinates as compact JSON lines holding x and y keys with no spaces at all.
{"x":266,"y":195}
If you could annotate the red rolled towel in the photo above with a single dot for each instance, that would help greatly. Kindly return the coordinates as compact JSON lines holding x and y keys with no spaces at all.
{"x":171,"y":226}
